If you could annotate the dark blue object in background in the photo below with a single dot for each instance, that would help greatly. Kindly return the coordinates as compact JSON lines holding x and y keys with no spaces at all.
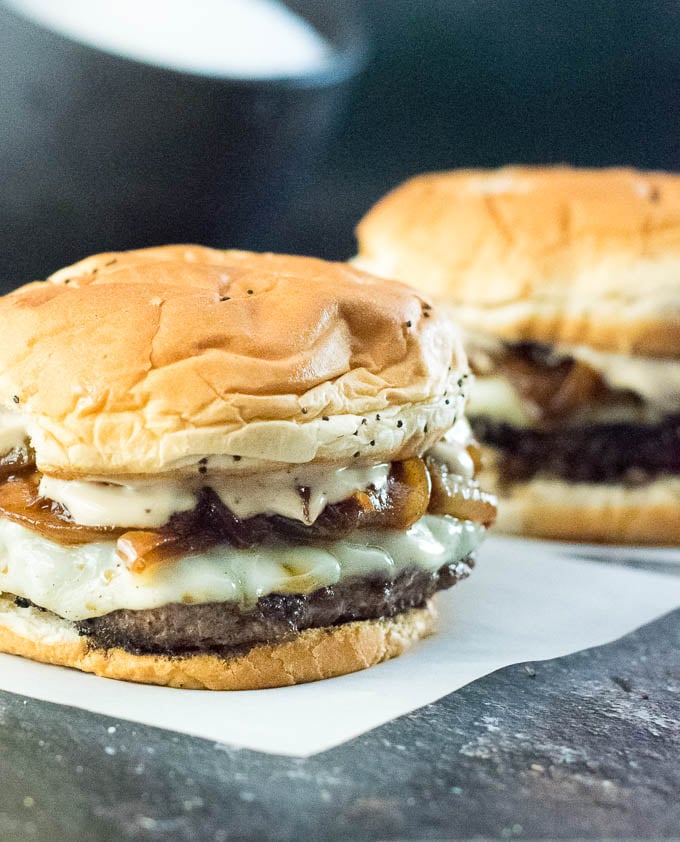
{"x":467,"y":83}
{"x":99,"y":152}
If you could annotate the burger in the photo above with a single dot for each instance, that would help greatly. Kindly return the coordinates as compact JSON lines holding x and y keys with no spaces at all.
{"x":567,"y":285}
{"x":229,"y":470}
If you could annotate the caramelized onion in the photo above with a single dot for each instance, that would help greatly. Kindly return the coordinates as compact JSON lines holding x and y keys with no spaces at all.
{"x":555,"y":385}
{"x":475,"y":453}
{"x":461,"y":498}
{"x":409,"y":494}
{"x":140,"y":548}
{"x":15,"y":461}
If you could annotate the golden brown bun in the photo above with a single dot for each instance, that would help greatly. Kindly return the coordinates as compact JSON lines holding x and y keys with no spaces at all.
{"x":587,"y":257}
{"x":589,"y":512}
{"x":312,"y":655}
{"x":147,"y":361}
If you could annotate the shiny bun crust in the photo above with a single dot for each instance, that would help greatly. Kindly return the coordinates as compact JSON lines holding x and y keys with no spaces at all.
{"x":590,"y":512}
{"x":587,"y":257}
{"x":147,"y":361}
{"x":312,"y":655}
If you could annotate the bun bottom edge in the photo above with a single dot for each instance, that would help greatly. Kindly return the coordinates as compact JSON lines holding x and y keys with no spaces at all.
{"x":598,"y":513}
{"x":312,"y":655}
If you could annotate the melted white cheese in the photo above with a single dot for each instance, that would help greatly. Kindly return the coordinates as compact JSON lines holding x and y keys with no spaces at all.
{"x":495,"y":397}
{"x":151,"y":503}
{"x":89,"y":580}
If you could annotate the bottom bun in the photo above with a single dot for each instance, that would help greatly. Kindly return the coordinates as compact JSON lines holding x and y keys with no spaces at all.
{"x":310,"y":656}
{"x":592,"y":512}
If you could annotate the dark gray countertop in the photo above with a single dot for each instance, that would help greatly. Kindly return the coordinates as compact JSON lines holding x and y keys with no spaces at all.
{"x":584,"y":746}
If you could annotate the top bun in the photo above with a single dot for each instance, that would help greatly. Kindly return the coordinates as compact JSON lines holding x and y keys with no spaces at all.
{"x":587,"y":257}
{"x":147,"y":361}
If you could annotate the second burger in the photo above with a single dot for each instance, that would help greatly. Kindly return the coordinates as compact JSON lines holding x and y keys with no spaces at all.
{"x":567,"y":283}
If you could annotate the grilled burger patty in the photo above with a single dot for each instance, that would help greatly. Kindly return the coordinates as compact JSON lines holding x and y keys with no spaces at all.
{"x":598,"y":453}
{"x":222,"y":627}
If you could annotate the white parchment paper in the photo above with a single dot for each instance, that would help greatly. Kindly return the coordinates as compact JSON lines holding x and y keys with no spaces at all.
{"x":524,"y":602}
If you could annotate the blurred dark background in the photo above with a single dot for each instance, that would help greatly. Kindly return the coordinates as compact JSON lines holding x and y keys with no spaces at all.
{"x":465,"y":83}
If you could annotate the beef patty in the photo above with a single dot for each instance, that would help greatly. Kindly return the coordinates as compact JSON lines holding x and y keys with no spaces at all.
{"x":599,"y":453}
{"x":223,"y":628}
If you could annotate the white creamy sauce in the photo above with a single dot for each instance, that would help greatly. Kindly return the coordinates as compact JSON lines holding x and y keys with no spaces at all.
{"x":141,"y":504}
{"x":150,"y":503}
{"x":452,"y":450}
{"x":253,"y":39}
{"x":13,"y":433}
{"x":278,"y":493}
{"x":89,"y":580}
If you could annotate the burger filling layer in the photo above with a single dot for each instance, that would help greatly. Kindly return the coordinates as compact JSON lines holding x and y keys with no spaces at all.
{"x":575,"y":414}
{"x":89,"y":580}
{"x":220,"y":563}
